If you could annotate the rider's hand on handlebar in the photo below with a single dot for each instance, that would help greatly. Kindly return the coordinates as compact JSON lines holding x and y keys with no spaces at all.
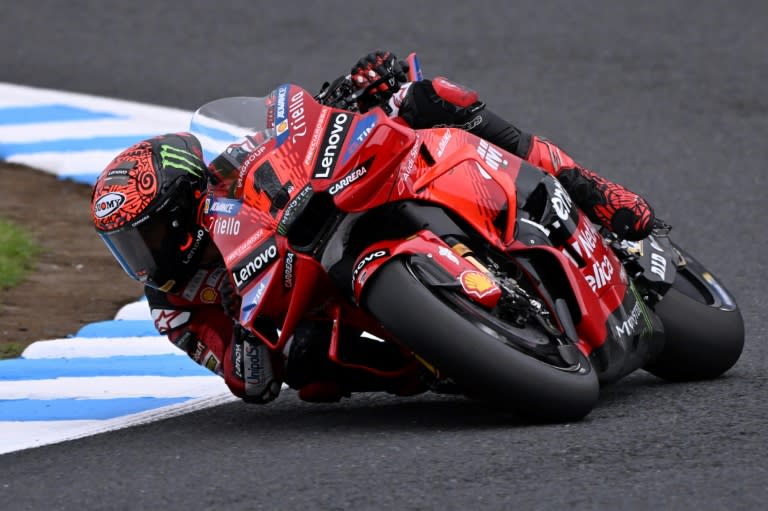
{"x":379,"y":75}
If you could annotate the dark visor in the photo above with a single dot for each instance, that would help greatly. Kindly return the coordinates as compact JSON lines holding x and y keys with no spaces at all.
{"x":145,"y":253}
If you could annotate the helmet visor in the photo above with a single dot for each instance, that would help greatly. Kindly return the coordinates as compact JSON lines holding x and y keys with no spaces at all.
{"x":146,"y":252}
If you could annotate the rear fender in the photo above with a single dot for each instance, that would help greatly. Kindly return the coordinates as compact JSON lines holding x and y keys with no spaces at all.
{"x":437,"y":262}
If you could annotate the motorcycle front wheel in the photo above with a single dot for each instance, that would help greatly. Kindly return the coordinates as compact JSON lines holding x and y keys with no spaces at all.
{"x":477,"y":350}
{"x":703,"y":327}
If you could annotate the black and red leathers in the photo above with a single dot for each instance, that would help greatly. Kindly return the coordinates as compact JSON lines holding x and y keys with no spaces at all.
{"x":440,"y":102}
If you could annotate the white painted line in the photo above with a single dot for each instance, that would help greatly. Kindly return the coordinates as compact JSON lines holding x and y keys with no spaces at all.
{"x":113,"y":387}
{"x":22,"y":95}
{"x":15,"y":436}
{"x":64,"y":164}
{"x":101,"y":347}
{"x":41,"y":132}
{"x":134,"y":310}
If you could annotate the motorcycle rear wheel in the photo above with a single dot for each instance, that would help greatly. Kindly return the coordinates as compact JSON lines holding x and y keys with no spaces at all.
{"x":703,"y":327}
{"x":468,"y":349}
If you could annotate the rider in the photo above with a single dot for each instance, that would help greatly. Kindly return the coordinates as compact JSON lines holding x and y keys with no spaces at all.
{"x":147,"y":206}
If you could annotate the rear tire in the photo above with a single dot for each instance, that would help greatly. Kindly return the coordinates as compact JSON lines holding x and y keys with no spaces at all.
{"x":475,"y":355}
{"x":704,"y":336}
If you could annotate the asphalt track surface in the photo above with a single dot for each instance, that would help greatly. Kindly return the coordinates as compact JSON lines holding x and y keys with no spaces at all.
{"x":666,"y":97}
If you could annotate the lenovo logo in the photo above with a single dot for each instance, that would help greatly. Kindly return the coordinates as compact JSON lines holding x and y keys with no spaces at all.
{"x":332,"y":142}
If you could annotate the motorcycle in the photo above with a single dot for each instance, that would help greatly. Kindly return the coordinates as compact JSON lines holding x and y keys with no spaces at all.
{"x":476,"y":263}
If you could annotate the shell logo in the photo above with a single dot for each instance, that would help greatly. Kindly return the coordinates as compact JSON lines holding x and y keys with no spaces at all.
{"x":477,"y":284}
{"x":208,"y":295}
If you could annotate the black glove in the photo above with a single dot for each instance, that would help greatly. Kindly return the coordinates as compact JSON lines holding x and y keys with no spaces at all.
{"x":379,"y":75}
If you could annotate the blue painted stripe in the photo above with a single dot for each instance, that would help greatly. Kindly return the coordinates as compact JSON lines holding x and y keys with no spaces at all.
{"x":209,"y":156}
{"x":68,"y":145}
{"x":50,"y":113}
{"x":18,"y":369}
{"x":216,"y":134}
{"x":79,"y":409}
{"x":119,"y":328}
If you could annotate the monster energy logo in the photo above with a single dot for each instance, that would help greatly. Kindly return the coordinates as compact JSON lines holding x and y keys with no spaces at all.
{"x":178,"y":158}
{"x":638,"y":311}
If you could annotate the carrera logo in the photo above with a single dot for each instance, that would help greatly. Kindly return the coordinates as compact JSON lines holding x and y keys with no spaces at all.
{"x":254,"y":263}
{"x":332,"y":142}
{"x":108,"y":204}
{"x":290,"y":258}
{"x":350,"y":178}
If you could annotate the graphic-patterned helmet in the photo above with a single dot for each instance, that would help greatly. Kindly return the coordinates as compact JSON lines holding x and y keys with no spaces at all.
{"x":145,"y":206}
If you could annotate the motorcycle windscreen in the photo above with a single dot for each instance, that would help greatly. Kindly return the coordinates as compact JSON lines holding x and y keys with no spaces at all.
{"x":226,"y":121}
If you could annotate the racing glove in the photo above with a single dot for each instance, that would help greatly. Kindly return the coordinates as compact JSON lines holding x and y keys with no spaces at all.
{"x":256,"y":370}
{"x":379,"y":74}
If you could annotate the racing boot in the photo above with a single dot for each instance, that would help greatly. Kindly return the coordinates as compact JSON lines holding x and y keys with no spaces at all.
{"x":609,"y":204}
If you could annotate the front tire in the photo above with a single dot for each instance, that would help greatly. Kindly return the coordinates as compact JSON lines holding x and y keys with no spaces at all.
{"x":474,"y":354}
{"x":704,"y":330}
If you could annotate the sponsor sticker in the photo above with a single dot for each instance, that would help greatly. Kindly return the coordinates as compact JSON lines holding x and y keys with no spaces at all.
{"x":333,"y":139}
{"x":168,"y":319}
{"x":476,"y":283}
{"x":294,"y":207}
{"x":602,"y":273}
{"x":108,"y":204}
{"x":362,"y":129}
{"x":491,"y":155}
{"x":368,"y":258}
{"x":252,"y":265}
{"x":350,"y":178}
{"x":281,"y":114}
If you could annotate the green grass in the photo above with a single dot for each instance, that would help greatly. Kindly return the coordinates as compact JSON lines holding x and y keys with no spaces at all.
{"x":17,"y":254}
{"x":10,"y":350}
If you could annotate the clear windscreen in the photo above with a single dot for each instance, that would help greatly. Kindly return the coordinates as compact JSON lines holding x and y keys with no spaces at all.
{"x":225,"y":121}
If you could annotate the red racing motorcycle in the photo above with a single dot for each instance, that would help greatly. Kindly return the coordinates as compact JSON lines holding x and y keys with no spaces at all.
{"x":474,"y":261}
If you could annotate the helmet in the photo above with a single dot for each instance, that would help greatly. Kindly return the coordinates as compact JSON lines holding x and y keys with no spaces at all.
{"x":145,"y":206}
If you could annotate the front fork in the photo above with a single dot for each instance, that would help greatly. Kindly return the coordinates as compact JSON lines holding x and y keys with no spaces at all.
{"x":447,"y":262}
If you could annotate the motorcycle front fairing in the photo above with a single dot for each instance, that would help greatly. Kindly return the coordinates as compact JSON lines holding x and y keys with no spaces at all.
{"x":283,"y":171}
